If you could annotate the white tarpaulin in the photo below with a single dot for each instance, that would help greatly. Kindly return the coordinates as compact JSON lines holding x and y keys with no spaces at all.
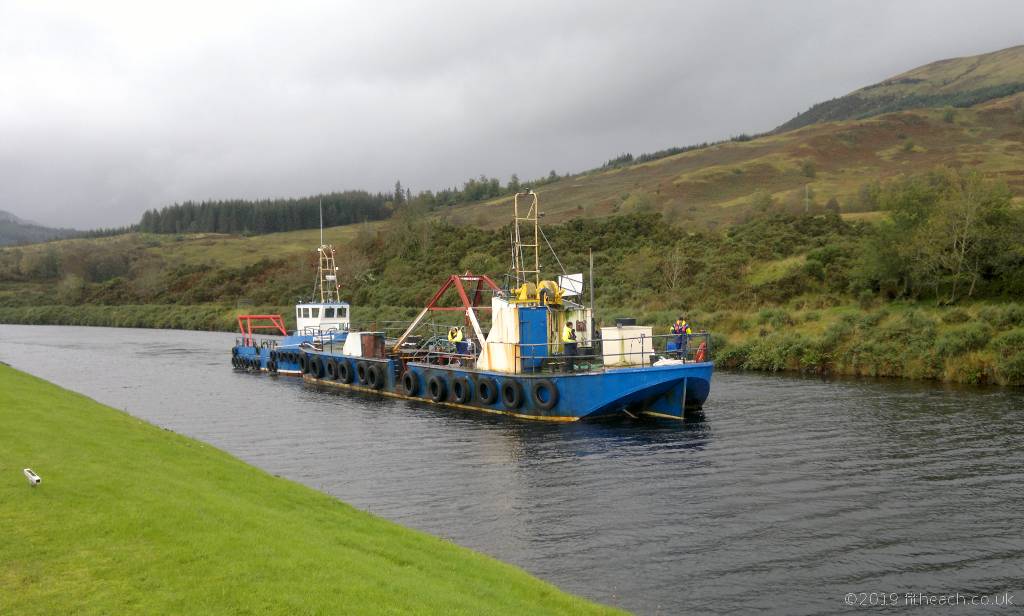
{"x":499,"y":352}
{"x":571,"y":284}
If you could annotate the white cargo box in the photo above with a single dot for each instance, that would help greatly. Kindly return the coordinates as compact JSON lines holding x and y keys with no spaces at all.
{"x":627,"y":345}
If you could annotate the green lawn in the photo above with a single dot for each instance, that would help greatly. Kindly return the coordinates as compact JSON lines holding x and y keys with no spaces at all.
{"x":134,"y":519}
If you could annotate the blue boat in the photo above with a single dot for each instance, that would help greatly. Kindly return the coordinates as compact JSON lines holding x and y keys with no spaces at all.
{"x":504,"y":351}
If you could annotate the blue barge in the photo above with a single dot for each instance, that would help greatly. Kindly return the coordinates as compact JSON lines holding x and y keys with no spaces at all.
{"x":519,"y":366}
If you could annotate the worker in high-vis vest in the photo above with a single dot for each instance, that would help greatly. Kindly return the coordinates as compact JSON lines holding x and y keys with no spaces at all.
{"x":681,"y":330}
{"x":569,"y":345}
{"x":455,"y":334}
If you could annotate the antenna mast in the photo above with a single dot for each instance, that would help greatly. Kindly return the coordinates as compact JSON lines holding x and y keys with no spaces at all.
{"x":525,"y":266}
{"x":327,"y":271}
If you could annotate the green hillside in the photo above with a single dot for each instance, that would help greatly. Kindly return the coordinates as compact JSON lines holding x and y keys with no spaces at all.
{"x":723,"y":184}
{"x":957,"y":82}
{"x":919,"y":209}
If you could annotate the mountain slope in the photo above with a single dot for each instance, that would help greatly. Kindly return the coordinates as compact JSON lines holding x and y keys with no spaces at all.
{"x":723,"y":184}
{"x":957,"y":82}
{"x":14,"y":230}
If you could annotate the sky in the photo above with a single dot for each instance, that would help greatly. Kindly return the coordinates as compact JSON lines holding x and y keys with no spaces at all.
{"x":108,"y":109}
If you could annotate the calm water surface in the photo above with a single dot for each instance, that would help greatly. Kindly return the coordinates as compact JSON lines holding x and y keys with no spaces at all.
{"x":786,"y":494}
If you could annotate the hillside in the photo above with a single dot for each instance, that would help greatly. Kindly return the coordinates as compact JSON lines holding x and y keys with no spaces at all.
{"x":726,"y":183}
{"x":14,"y":230}
{"x":956,"y":82}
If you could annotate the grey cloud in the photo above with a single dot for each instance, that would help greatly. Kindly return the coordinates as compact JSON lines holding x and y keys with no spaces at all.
{"x":110,"y":109}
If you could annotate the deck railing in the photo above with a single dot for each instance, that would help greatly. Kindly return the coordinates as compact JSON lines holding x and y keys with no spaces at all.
{"x":635,"y":351}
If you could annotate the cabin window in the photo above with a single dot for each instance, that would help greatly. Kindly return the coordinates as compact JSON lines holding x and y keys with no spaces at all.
{"x":305,"y":313}
{"x":328,"y":313}
{"x":343,"y":312}
{"x":298,"y":313}
{"x":316,"y":313}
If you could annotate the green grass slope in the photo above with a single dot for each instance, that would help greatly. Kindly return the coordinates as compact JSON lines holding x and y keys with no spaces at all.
{"x":715,"y":186}
{"x":957,"y":82}
{"x":131,"y":519}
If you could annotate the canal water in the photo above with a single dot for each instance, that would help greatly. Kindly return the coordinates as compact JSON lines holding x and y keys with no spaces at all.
{"x":785,"y":496}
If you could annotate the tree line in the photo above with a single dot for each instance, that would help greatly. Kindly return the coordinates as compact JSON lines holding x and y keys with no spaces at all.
{"x":240,"y":216}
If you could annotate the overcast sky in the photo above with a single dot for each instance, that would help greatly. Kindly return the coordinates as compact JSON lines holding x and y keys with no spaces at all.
{"x":107,"y":109}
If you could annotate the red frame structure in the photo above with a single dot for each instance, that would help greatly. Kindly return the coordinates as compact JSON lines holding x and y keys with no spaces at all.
{"x":456,"y":281}
{"x":245,"y":325}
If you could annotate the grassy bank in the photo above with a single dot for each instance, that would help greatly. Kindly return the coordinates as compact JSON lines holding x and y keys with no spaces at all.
{"x":134,"y":519}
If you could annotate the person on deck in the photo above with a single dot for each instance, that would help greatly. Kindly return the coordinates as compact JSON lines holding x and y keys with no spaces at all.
{"x":681,"y":329}
{"x":568,"y":345}
{"x":455,"y":335}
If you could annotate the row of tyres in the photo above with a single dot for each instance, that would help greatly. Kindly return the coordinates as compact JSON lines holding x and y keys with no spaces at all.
{"x":368,"y":374}
{"x":472,"y":389}
{"x":246,"y":363}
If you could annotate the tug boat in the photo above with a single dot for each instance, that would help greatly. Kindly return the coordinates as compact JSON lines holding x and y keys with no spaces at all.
{"x":511,"y":358}
{"x":317,"y":323}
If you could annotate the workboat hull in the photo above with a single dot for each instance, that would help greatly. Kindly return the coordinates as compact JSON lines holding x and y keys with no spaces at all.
{"x":665,"y":391}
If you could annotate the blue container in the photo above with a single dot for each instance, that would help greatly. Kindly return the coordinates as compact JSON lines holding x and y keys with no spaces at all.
{"x":533,"y":330}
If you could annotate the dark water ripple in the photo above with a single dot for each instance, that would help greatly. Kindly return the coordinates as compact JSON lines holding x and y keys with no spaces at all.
{"x":786,"y":495}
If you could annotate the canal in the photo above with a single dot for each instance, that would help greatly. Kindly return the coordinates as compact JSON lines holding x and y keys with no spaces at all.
{"x":786,"y":495}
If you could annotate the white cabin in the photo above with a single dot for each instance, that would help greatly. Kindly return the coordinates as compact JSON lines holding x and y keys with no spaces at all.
{"x":321,"y":318}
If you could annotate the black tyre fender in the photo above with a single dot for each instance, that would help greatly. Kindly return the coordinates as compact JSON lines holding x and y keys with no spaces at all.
{"x":410,"y":383}
{"x":332,"y":369}
{"x":487,"y":390}
{"x":437,"y":387}
{"x":511,"y":394}
{"x":374,"y":376}
{"x":462,"y":391}
{"x":304,"y":362}
{"x":344,"y":372}
{"x":544,"y":394}
{"x":361,"y":372}
{"x":316,"y":366}
{"x":272,"y":366}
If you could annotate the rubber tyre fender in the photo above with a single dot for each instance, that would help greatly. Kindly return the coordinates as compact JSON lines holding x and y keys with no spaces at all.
{"x":487,"y":390}
{"x":344,"y":372}
{"x":436,"y":387}
{"x":410,"y":383}
{"x":538,"y":399}
{"x":462,"y":391}
{"x":511,"y":394}
{"x":332,"y":369}
{"x":361,"y":372}
{"x":374,"y":376}
{"x":316,"y":367}
{"x":272,"y":366}
{"x":304,"y":363}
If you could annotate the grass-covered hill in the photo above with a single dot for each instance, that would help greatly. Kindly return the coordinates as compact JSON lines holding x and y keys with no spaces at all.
{"x":956,"y":82}
{"x":915,"y":210}
{"x":722,"y":184}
